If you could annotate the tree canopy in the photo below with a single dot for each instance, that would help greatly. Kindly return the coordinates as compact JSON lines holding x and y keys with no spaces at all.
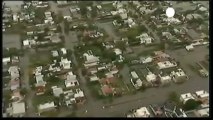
{"x":191,"y":104}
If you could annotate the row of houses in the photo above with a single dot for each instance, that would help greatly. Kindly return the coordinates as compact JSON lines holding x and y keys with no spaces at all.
{"x":162,"y":62}
{"x":71,"y":94}
{"x":17,"y":107}
{"x":169,"y":109}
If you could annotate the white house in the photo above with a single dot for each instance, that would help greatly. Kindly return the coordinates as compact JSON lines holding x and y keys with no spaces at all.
{"x":165,"y":79}
{"x":65,"y":63}
{"x":178,"y":75}
{"x":185,"y":97}
{"x":6,"y":60}
{"x":90,"y":60}
{"x":14,"y":72}
{"x":46,"y":107}
{"x":117,"y":51}
{"x":55,"y":53}
{"x":94,"y":78}
{"x":71,"y":80}
{"x":134,"y":75}
{"x":64,"y":51}
{"x":39,"y":80}
{"x":202,"y":112}
{"x":18,"y":109}
{"x":146,"y":59}
{"x":151,"y":77}
{"x":57,"y":91}
{"x":142,"y":112}
{"x":202,"y":94}
{"x":166,"y":64}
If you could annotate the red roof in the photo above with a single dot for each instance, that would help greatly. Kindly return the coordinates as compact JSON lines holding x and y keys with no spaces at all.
{"x":106,"y":90}
{"x":40,"y":89}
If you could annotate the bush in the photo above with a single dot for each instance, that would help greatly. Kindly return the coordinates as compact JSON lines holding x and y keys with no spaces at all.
{"x":191,"y":104}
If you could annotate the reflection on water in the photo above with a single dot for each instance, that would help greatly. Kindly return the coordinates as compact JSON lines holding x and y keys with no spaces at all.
{"x":14,"y":5}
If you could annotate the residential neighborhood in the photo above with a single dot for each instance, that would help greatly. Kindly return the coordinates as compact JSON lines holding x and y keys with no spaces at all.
{"x":105,"y":59}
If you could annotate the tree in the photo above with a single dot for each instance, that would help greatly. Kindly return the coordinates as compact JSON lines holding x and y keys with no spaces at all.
{"x":121,"y":45}
{"x":174,"y":97}
{"x":191,"y":104}
{"x":66,"y":26}
{"x":94,"y":12}
{"x":83,"y":8}
{"x":23,"y":91}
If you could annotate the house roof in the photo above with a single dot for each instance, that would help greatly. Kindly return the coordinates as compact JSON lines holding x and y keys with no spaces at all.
{"x":7,"y":59}
{"x":55,"y":53}
{"x":202,"y":93}
{"x":142,"y":112}
{"x":106,"y":89}
{"x":46,"y":105}
{"x":117,"y":51}
{"x":18,"y":108}
{"x":40,"y":89}
{"x":94,"y":78}
{"x":57,"y":91}
{"x":64,"y":51}
{"x":150,"y":77}
{"x":185,"y":97}
{"x":79,"y":93}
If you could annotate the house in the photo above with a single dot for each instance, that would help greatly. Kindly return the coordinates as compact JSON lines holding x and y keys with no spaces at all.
{"x":90,"y":60}
{"x":178,"y":76}
{"x":202,"y":112}
{"x":62,"y":2}
{"x":94,"y":78}
{"x":202,"y":96}
{"x":146,"y":59}
{"x":142,"y":112}
{"x":166,"y":64}
{"x":151,"y":77}
{"x":64,"y":51}
{"x":185,"y":97}
{"x":92,"y":70}
{"x":40,"y":90}
{"x":135,"y":80}
{"x":117,"y":51}
{"x":157,"y":110}
{"x":18,"y":109}
{"x":165,"y":79}
{"x":55,"y":38}
{"x":71,"y":80}
{"x":14,"y":72}
{"x":69,"y":97}
{"x":65,"y":63}
{"x":6,"y":60}
{"x":46,"y":107}
{"x":134,"y":75}
{"x":14,"y":84}
{"x":79,"y":96}
{"x":39,"y":80}
{"x":171,"y":110}
{"x":106,"y":90}
{"x":123,"y":16}
{"x":55,"y":53}
{"x":57,"y":91}
{"x":38,"y":70}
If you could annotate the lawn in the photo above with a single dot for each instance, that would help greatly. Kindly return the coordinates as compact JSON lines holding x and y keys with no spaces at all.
{"x":42,"y":58}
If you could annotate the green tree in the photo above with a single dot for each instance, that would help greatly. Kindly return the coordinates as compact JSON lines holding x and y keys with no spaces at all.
{"x":174,"y":97}
{"x":94,"y":12}
{"x":191,"y":104}
{"x":23,"y":91}
{"x":121,"y":45}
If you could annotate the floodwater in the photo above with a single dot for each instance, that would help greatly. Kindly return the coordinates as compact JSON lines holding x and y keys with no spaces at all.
{"x":14,"y":5}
